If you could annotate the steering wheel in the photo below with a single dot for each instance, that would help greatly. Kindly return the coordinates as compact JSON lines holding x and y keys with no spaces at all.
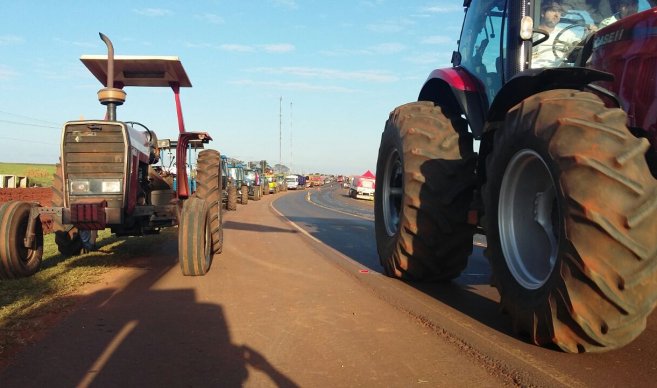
{"x":150,"y":134}
{"x":561,"y":47}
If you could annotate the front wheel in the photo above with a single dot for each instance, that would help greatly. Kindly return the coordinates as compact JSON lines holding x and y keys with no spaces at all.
{"x":208,"y":178}
{"x":195,"y":238}
{"x":17,"y":260}
{"x":424,"y":184}
{"x":570,"y":218}
{"x":231,"y":203}
{"x":244,"y":195}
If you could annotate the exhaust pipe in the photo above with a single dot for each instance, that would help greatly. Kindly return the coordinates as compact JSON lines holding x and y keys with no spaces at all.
{"x":110,"y":96}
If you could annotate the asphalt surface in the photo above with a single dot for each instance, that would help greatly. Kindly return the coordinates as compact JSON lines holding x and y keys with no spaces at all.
{"x":277,"y":308}
{"x":467,"y":311}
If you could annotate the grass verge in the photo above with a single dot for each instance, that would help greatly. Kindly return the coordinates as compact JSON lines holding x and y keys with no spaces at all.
{"x":38,"y":174}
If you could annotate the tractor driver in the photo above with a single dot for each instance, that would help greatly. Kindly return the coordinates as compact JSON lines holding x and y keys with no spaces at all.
{"x":543,"y":54}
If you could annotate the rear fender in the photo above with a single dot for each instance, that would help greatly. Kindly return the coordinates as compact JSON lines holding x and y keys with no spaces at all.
{"x":458,"y":92}
{"x":530,"y":82}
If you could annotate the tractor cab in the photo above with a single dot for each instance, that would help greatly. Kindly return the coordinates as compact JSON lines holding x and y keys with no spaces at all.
{"x":508,"y":50}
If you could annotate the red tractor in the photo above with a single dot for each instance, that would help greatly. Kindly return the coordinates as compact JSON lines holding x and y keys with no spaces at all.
{"x":628,"y":50}
{"x":108,"y":178}
{"x":559,"y":184}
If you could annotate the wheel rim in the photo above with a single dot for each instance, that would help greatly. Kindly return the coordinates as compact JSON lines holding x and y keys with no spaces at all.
{"x":392,"y":192}
{"x":528,"y":219}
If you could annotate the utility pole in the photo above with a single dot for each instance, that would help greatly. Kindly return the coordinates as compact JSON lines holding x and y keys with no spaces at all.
{"x":280,"y":132}
{"x":291,"y":159}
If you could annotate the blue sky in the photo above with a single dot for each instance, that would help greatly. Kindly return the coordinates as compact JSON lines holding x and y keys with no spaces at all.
{"x":340,"y":67}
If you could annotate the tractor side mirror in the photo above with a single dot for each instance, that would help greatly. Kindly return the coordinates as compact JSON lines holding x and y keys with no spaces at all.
{"x":456,"y":58}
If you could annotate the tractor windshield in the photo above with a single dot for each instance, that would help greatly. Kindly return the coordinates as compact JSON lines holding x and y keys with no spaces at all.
{"x":482,"y":44}
{"x":236,"y":173}
{"x":251,"y":177}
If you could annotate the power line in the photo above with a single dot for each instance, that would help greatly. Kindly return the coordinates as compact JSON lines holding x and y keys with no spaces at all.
{"x":27,"y":117}
{"x":28,"y":124}
{"x":291,"y":148}
{"x":31,"y":141}
{"x":280,"y":132}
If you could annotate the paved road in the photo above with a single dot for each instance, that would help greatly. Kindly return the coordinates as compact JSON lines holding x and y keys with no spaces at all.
{"x":276,"y":309}
{"x":347,"y":225}
{"x":304,"y":304}
{"x":468,"y":310}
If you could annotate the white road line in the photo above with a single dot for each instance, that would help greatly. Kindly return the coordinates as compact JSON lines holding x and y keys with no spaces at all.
{"x":309,"y":199}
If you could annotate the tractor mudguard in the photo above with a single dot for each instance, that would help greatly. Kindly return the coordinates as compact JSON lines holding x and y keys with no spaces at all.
{"x":456,"y":90}
{"x":532,"y":81}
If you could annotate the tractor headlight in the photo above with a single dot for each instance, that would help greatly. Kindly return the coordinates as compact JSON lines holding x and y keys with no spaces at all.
{"x":95,"y":186}
{"x":111,"y":186}
{"x":80,"y":187}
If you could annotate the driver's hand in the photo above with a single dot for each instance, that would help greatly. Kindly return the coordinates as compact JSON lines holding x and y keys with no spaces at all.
{"x":590,"y":28}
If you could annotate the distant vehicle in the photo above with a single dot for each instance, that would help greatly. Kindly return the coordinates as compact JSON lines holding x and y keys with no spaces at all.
{"x":292,"y":182}
{"x":316,"y":180}
{"x":271,"y":183}
{"x":346,"y":182}
{"x":252,"y":179}
{"x":236,"y":175}
{"x":362,"y":188}
{"x":302,"y":182}
{"x":228,"y":188}
{"x":280,"y":182}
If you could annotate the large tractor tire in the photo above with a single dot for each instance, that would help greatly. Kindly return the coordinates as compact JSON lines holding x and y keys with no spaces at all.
{"x":571,"y":217}
{"x":424,"y":184}
{"x":231,"y":203}
{"x":208,"y":179}
{"x":67,"y":237}
{"x":195,"y":237}
{"x":244,"y":195}
{"x":16,"y":260}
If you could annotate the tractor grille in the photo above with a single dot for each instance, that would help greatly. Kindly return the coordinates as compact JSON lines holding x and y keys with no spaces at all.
{"x":94,"y":150}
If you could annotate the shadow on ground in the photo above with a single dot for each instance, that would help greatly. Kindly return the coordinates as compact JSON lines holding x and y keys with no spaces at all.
{"x":140,"y":336}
